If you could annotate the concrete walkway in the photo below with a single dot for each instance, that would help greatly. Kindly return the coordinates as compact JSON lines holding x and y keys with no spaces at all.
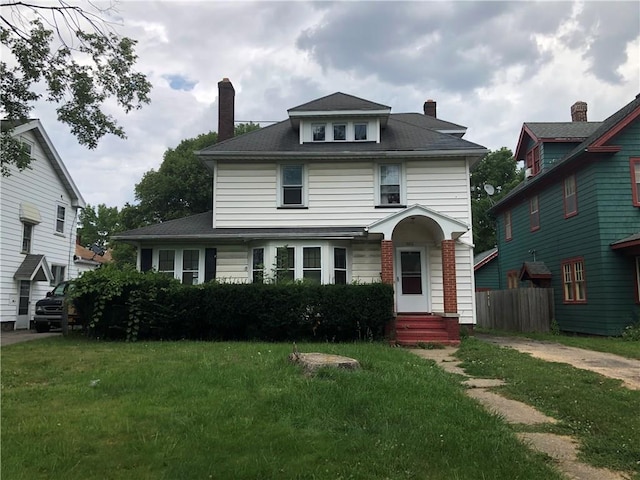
{"x":562,"y":449}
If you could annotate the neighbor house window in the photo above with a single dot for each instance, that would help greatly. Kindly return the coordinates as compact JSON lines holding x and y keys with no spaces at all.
{"x":533,"y":160}
{"x":635,"y":180}
{"x":27,"y":235}
{"x":573,"y":281}
{"x":534,"y":213}
{"x":340,"y":266}
{"x":292,"y":182}
{"x":285,"y":264}
{"x":318,"y":132}
{"x":513,"y":279}
{"x":390,"y":184}
{"x":311,"y":264}
{"x":190,"y":266}
{"x":166,"y":261}
{"x":570,"y":197}
{"x":339,"y":131}
{"x":60,"y":213}
{"x":57,"y":274}
{"x":257,"y":265}
{"x":508,"y":234}
{"x":359,"y":131}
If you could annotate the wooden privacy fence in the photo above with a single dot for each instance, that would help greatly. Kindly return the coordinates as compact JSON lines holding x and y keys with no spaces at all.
{"x":516,"y":310}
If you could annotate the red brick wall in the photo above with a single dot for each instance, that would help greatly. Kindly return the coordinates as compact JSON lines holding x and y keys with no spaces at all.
{"x":449,"y":276}
{"x":386,"y":254}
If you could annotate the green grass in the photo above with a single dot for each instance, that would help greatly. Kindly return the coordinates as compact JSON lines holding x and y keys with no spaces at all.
{"x":189,"y":410}
{"x":601,"y":414}
{"x":615,"y":345}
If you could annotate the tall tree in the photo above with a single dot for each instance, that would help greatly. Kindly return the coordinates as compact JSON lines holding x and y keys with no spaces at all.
{"x":182,"y":185}
{"x":97,"y":224}
{"x":499,"y":173}
{"x":73,"y":53}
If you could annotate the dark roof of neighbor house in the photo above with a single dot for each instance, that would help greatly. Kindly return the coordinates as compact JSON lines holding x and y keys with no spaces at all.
{"x":32,"y":268}
{"x":336,"y":102}
{"x":562,"y":130}
{"x":630,"y":241}
{"x":534,"y":270}
{"x":199,"y":226}
{"x":404,"y":133}
{"x":481,"y":259}
{"x":605,"y":127}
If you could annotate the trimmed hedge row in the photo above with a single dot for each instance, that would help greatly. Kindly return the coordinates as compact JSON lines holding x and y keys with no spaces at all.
{"x":131,"y":305}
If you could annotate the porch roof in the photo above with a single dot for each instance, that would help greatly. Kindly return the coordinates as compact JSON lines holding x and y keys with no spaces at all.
{"x":33,"y":267}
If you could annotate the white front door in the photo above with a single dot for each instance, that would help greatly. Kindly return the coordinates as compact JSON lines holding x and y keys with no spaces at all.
{"x":411,"y":280}
{"x":24,"y":301}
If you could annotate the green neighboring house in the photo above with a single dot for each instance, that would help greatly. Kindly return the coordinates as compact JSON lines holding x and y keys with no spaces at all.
{"x":486,"y":270}
{"x":574,"y":223}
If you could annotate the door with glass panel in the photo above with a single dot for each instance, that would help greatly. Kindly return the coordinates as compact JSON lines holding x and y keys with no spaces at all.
{"x":411,"y":280}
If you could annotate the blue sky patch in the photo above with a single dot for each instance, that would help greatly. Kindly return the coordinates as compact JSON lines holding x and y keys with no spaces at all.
{"x":178,"y":82}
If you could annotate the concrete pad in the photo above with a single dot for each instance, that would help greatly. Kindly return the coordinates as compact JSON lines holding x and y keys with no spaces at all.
{"x":511,"y":410}
{"x":483,"y":382}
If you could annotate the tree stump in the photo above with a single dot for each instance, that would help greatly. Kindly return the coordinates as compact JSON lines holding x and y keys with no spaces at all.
{"x":311,"y":362}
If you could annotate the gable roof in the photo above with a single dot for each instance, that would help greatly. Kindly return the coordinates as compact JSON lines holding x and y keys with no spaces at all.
{"x":562,"y":130}
{"x":34,"y":125}
{"x":594,"y":143}
{"x":534,"y":271}
{"x":33,"y":267}
{"x":483,"y":258}
{"x":338,"y":102}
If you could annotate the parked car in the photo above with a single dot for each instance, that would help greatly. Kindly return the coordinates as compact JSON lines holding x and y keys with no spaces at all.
{"x":49,"y":310}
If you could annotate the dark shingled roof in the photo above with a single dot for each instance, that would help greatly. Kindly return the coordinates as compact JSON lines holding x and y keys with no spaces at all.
{"x":534,"y":270}
{"x":404,"y":133}
{"x":200,"y":227}
{"x":601,"y":131}
{"x":338,"y":101}
{"x":483,"y":255}
{"x":32,"y":268}
{"x":580,"y":130}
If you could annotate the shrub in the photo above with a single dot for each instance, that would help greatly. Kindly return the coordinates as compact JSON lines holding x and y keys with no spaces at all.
{"x":126,"y":304}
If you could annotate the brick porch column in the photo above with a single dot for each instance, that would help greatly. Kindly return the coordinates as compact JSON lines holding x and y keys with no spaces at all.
{"x":449,"y":276}
{"x":386,"y":258}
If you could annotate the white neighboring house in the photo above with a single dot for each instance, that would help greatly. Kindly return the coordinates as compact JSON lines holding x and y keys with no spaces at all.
{"x":39,"y":213}
{"x":342,"y":190}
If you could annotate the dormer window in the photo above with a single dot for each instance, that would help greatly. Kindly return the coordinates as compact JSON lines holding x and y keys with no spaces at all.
{"x":360,"y":131}
{"x":318,"y":132}
{"x":339,"y":131}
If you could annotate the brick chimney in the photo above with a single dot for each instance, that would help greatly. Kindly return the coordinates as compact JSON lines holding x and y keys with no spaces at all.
{"x":226,"y":116}
{"x":579,"y":112}
{"x":430,"y":108}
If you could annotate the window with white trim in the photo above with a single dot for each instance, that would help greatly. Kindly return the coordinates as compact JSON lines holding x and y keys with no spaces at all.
{"x":390,"y":187}
{"x":57,"y":274}
{"x":285,"y":264}
{"x":340,"y":266}
{"x":190,"y":267}
{"x":339,"y":132}
{"x":360,"y":131}
{"x":257,"y":265}
{"x":312,"y":264}
{"x":60,"y":215}
{"x":573,"y":281}
{"x":292,"y":185}
{"x":27,"y":237}
{"x":167,"y":262}
{"x":318,"y":132}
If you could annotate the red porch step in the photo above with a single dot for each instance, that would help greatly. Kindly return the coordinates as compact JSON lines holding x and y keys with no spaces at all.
{"x":415,"y":328}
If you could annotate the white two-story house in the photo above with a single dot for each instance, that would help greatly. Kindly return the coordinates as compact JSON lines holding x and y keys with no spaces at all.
{"x":39,"y":212}
{"x":341,"y":191}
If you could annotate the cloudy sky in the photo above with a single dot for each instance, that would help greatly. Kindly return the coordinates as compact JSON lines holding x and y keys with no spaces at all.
{"x":489,"y":65}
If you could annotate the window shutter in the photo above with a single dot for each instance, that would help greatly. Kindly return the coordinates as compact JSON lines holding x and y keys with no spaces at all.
{"x":146,"y":261}
{"x":210,"y":255}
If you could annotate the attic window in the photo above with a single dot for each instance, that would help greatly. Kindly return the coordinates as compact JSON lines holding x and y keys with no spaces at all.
{"x":339,"y":131}
{"x":360,"y":131}
{"x":318,"y":132}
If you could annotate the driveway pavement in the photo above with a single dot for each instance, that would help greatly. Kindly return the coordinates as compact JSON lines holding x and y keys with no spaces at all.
{"x":17,"y":336}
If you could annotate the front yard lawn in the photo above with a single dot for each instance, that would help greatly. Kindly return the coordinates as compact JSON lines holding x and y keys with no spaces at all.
{"x":76,"y":409}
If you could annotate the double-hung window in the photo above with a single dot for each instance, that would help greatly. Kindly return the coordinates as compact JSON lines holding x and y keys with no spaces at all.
{"x":27,"y":236}
{"x":360,"y":132}
{"x":339,"y":131}
{"x":573,"y":281}
{"x":570,"y":197}
{"x":311,"y":264}
{"x":166,"y":262}
{"x":190,"y":266}
{"x":390,"y":187}
{"x":60,"y":214}
{"x":285,"y":264}
{"x":534,"y":213}
{"x":508,"y":229}
{"x":635,"y":181}
{"x":57,"y":274}
{"x":318,"y":132}
{"x":340,"y":266}
{"x":292,"y":185}
{"x":257,"y":265}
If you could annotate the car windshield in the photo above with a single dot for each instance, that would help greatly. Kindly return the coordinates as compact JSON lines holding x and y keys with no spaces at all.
{"x":59,"y":290}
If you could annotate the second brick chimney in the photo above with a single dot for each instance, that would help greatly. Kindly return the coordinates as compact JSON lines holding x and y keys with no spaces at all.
{"x":430,"y":108}
{"x":579,"y":112}
{"x":226,"y":115}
